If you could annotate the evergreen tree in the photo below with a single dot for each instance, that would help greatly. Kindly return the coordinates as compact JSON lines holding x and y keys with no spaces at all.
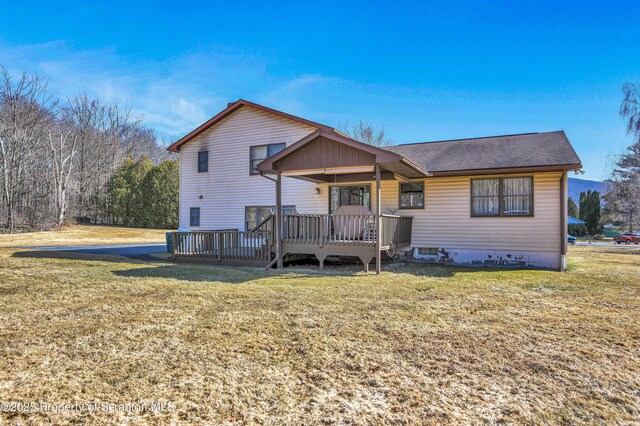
{"x":126,"y":191}
{"x":573,"y":208}
{"x":159,"y":201}
{"x":590,"y":211}
{"x":575,"y":230}
{"x":145,"y":195}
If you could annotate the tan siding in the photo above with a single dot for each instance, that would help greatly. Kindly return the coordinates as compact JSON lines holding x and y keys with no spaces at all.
{"x":446,"y":220}
{"x":228,"y":187}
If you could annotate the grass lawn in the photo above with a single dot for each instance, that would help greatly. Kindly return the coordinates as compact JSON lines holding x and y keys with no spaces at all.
{"x":84,"y":235}
{"x":418,"y":344}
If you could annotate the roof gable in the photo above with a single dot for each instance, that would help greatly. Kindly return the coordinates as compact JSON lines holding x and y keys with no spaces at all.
{"x":328,"y":150}
{"x":233,"y":107}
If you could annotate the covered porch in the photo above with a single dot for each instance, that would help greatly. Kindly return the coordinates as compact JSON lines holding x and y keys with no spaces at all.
{"x":365,"y":232}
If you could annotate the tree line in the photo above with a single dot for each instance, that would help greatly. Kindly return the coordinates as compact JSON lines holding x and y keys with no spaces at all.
{"x":58,"y":157}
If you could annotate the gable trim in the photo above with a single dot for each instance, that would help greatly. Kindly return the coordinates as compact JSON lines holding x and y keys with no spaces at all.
{"x":233,"y":107}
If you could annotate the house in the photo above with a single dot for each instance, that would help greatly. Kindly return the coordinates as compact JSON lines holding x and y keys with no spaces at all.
{"x":483,"y":201}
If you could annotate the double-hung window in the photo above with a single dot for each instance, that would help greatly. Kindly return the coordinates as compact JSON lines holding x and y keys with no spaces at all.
{"x":262,"y":152}
{"x":412,"y":195}
{"x":194,"y":216}
{"x":253,"y":215}
{"x":502,"y":196}
{"x":203,"y":161}
{"x":517,"y":196}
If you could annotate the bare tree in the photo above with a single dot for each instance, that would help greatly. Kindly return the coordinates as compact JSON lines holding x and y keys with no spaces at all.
{"x":630,"y":108}
{"x":623,"y":199}
{"x":56,"y":159}
{"x":25,"y":107}
{"x":365,"y":132}
{"x":62,"y":142}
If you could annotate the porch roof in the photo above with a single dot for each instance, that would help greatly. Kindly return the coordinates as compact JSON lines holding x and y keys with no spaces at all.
{"x":322,"y":156}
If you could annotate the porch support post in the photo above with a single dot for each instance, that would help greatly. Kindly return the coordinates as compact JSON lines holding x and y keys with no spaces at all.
{"x":279,"y":220}
{"x":378,"y":222}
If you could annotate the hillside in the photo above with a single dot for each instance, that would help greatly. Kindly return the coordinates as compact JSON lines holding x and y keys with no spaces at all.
{"x":576,"y":186}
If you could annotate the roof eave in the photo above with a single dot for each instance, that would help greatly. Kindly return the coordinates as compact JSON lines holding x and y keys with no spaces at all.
{"x":504,"y":170}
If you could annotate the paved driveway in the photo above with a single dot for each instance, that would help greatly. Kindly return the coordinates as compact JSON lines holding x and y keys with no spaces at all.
{"x":134,"y":251}
{"x":605,"y":244}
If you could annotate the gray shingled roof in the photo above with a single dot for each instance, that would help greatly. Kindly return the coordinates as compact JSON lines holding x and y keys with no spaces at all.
{"x":496,"y":152}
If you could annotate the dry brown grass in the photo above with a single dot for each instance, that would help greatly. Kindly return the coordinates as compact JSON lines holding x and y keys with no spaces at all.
{"x":418,"y":344}
{"x":84,"y":234}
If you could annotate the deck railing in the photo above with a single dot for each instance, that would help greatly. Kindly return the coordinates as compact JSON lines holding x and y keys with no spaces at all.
{"x":324,"y":229}
{"x":304,"y":230}
{"x":228,"y":245}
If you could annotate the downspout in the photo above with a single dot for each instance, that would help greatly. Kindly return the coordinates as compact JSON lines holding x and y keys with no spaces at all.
{"x":563,"y":222}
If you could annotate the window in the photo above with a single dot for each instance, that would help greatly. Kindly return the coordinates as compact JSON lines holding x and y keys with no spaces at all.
{"x":517,"y":196}
{"x":426,"y":252}
{"x":262,"y":152}
{"x":203,"y":161}
{"x":502,"y":197}
{"x":194,"y":216}
{"x":412,"y":195}
{"x":253,"y":215}
{"x":485,"y":197}
{"x":349,"y":196}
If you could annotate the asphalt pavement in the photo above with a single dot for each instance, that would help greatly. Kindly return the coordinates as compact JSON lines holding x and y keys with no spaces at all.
{"x":605,"y":244}
{"x":134,"y":251}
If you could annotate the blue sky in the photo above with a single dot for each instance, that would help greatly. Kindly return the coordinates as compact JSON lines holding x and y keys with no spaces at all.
{"x":423,"y":70}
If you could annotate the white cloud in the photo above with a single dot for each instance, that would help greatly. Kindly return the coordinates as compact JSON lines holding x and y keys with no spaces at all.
{"x":172,"y":96}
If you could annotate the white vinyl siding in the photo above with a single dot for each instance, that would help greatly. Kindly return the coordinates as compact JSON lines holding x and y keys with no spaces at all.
{"x":228,"y":187}
{"x":445,"y":222}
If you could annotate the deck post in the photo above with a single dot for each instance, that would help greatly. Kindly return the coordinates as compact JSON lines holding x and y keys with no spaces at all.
{"x":279,"y":220}
{"x":321,"y":258}
{"x":378,"y":221}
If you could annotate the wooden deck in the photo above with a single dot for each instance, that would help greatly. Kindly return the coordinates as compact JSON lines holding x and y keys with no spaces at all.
{"x":320,"y":235}
{"x":228,"y":247}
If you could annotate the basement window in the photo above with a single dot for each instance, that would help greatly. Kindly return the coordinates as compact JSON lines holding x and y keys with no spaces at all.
{"x":427,"y":251}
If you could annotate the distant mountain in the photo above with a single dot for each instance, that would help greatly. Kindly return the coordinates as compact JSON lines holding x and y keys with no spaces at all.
{"x":576,"y":186}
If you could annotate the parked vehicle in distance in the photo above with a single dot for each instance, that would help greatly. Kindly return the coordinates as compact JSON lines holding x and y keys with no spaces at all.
{"x":628,"y":238}
{"x":571,"y":239}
